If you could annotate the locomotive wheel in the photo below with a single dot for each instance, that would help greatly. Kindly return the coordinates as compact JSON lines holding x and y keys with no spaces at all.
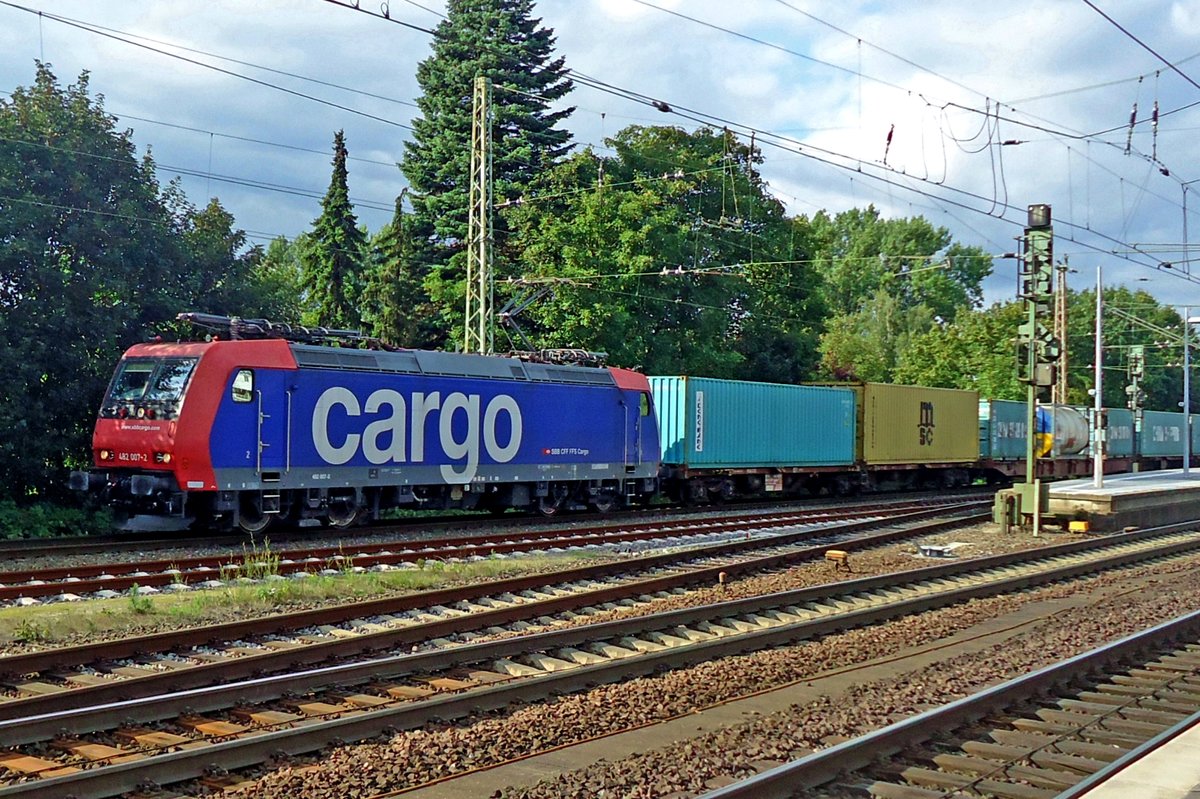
{"x":344,"y":512}
{"x":549,"y":506}
{"x":251,"y":518}
{"x":604,"y":502}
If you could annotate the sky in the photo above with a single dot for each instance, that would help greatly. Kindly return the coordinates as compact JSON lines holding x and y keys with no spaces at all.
{"x":989,"y":107}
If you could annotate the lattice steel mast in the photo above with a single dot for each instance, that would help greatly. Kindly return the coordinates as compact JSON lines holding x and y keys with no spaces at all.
{"x":479,"y":328}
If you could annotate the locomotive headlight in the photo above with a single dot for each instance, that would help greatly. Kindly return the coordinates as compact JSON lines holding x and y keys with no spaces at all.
{"x":141,"y":413}
{"x":162,"y":457}
{"x":106,"y":455}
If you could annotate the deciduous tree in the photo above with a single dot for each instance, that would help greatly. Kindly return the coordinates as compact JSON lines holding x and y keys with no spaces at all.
{"x":671,"y":255}
{"x":88,"y":262}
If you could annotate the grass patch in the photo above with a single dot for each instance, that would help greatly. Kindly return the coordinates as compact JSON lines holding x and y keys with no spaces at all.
{"x":140,"y":612}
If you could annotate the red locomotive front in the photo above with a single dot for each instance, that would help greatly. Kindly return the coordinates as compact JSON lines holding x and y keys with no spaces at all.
{"x":134,"y":446}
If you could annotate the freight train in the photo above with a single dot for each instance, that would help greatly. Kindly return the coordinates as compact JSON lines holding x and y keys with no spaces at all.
{"x":267,"y":424}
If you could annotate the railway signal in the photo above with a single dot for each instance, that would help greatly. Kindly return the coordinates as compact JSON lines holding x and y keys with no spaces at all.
{"x":1038,"y":352}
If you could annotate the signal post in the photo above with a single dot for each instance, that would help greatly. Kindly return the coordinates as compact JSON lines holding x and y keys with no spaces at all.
{"x":1038,"y":351}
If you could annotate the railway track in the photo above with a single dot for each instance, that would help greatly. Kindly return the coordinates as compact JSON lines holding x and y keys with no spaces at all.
{"x":54,"y":679}
{"x":422,"y":527}
{"x":235,"y":725}
{"x":1052,"y":734}
{"x":107,"y":580}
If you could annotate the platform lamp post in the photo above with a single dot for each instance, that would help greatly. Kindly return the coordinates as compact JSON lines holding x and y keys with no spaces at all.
{"x":1188,"y":321}
{"x":1098,"y":390}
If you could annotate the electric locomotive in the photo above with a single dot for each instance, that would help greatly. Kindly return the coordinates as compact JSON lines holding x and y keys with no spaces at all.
{"x":272,"y":424}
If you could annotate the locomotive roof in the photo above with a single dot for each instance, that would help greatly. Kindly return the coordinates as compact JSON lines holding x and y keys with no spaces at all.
{"x":418,"y":362}
{"x":456,"y":364}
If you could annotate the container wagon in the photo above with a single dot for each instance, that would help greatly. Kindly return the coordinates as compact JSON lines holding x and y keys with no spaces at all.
{"x":1161,"y":438}
{"x":726,"y":438}
{"x":912,"y":436}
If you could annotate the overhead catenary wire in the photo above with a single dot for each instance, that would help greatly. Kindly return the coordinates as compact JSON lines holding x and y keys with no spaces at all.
{"x":885,"y":181}
{"x":1142,"y":44}
{"x":99,"y":32}
{"x":848,"y":163}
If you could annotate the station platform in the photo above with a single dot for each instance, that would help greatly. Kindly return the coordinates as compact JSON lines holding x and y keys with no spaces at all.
{"x":1170,"y":771}
{"x":1139,"y":499}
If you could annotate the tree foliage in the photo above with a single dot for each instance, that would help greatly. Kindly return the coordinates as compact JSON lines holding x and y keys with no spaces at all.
{"x":670,"y":255}
{"x":331,"y":256}
{"x":1163,"y":382}
{"x":499,"y":39}
{"x":974,"y":352}
{"x":885,"y":282}
{"x":87,"y":261}
{"x":858,"y":253}
{"x":977,"y":350}
{"x":93,"y":255}
{"x":870,"y":343}
{"x":395,"y":305}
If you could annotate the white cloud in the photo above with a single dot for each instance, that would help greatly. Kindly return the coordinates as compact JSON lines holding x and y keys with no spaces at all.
{"x":974,"y":53}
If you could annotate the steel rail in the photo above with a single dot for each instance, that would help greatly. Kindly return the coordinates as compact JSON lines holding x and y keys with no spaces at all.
{"x":826,"y":765}
{"x":132,"y":646}
{"x":84,"y":544}
{"x":250,"y":665}
{"x":95,"y":577}
{"x":241,"y":752}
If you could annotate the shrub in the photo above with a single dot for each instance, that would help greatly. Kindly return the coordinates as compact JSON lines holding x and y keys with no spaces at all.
{"x":44,"y":520}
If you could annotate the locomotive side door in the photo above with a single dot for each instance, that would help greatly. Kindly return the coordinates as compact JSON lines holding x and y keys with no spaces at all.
{"x":261,"y":392}
{"x":273,"y":403}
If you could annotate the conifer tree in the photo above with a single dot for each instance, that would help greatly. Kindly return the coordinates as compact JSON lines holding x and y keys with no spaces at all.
{"x":499,"y":39}
{"x":332,"y":254}
{"x":395,"y":306}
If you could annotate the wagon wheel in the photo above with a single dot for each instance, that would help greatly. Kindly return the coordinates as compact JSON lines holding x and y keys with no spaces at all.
{"x":604,"y":502}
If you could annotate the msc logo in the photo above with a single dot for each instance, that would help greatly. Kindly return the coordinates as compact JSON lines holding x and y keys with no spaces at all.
{"x":397,"y":433}
{"x":925,"y":425}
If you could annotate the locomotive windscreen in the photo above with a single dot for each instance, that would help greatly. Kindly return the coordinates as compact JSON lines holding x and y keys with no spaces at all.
{"x":148,"y":384}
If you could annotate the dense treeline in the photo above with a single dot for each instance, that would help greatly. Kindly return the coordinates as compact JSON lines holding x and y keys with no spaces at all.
{"x":94,"y":253}
{"x":666,"y":249}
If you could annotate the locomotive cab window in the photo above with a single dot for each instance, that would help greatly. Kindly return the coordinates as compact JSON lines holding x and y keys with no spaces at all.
{"x":148,"y":388}
{"x":132,"y":379}
{"x":645,"y":404}
{"x":243,"y":385}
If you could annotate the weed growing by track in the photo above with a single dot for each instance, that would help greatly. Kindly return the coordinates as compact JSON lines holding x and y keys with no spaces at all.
{"x":30,"y":632}
{"x":139,"y":603}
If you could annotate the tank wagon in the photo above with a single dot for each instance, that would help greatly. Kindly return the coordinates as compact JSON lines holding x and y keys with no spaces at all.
{"x":241,"y":433}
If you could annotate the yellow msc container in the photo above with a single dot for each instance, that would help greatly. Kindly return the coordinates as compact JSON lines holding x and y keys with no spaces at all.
{"x":914,"y":424}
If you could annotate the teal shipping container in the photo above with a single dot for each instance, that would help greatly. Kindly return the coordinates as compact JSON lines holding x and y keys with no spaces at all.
{"x":1118,"y":433}
{"x":1162,"y":434}
{"x":1002,"y":426}
{"x":705,"y":423}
